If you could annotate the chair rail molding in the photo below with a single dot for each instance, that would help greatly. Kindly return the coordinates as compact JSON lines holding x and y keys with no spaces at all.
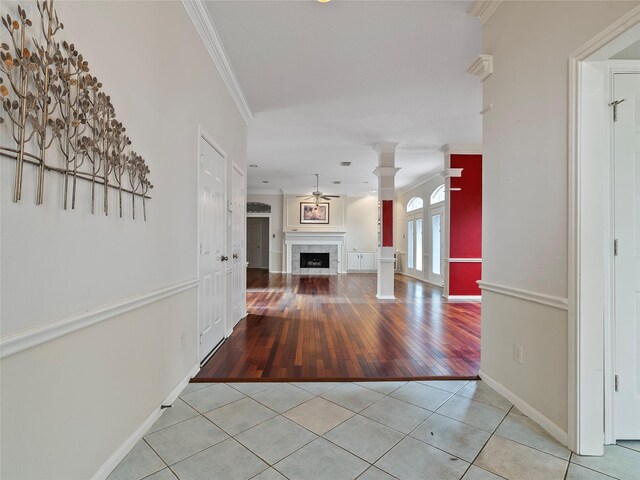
{"x":18,"y":341}
{"x":528,"y":295}
{"x":484,"y":9}
{"x":201,"y":19}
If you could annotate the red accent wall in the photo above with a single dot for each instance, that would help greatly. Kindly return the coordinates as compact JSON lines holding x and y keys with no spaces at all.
{"x":387,"y":223}
{"x":465,"y":225}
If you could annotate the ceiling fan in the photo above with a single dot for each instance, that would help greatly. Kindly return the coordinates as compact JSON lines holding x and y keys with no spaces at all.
{"x":318,"y":195}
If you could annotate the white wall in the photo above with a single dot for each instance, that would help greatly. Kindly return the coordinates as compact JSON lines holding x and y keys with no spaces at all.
{"x":107,"y":378}
{"x":291,"y":216}
{"x":525,"y":192}
{"x":362,"y":224}
{"x":277,"y":242}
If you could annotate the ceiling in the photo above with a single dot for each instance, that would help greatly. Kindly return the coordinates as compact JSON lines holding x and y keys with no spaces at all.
{"x":327,"y":81}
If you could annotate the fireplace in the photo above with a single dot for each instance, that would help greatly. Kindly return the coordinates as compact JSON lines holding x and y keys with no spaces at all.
{"x":314,"y":260}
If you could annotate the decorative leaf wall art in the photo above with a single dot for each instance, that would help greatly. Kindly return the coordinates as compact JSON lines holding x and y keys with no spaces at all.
{"x":51,"y":101}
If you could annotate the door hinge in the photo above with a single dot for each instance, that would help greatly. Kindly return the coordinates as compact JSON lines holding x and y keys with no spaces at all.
{"x":615,"y":108}
{"x":615,"y":380}
{"x":615,"y":247}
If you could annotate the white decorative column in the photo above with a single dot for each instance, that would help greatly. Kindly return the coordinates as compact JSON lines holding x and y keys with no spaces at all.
{"x":386,"y":173}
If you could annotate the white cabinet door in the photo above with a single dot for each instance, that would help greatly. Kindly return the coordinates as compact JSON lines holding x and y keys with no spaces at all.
{"x":353,"y":261}
{"x":367,"y":261}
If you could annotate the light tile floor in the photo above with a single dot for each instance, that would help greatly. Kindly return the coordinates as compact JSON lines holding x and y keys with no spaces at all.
{"x":445,"y":430}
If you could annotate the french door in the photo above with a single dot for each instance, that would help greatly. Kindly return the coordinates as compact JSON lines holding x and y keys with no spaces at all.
{"x":436,"y":221}
{"x":415,"y":254}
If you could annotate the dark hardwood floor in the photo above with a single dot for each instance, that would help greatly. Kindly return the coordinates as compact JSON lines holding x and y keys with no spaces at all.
{"x":334,"y":328}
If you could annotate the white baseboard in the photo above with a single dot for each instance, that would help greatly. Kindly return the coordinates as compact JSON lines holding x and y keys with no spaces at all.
{"x":555,"y":431}
{"x":465,"y":298}
{"x":112,"y":462}
{"x":385,"y":297}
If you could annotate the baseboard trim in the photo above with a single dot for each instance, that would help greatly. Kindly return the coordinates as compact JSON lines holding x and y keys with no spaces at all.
{"x":528,"y":295}
{"x":465,"y":298}
{"x":555,"y":431}
{"x":31,"y":337}
{"x":385,"y":297}
{"x":112,"y":462}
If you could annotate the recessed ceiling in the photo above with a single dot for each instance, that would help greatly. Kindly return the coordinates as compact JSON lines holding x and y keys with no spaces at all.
{"x":326,"y":82}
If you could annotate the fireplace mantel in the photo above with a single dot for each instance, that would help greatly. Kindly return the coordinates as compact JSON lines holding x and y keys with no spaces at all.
{"x":292,"y":238}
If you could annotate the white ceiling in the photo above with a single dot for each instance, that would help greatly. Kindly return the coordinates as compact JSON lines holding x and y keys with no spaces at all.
{"x":326,"y":82}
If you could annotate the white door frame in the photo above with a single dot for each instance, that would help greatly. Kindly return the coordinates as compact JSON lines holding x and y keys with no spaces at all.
{"x":202,"y":134}
{"x":268,"y":216}
{"x":590,"y":234}
{"x":432,"y":208}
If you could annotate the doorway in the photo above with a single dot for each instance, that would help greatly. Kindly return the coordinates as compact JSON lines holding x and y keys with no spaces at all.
{"x":601,"y":288}
{"x":626,"y":255}
{"x":258,"y":236}
{"x":212,"y":234}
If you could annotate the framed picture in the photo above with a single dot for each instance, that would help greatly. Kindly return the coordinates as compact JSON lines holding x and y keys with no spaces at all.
{"x":312,"y":213}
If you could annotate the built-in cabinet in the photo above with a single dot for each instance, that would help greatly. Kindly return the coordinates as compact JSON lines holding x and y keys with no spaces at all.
{"x":361,"y":261}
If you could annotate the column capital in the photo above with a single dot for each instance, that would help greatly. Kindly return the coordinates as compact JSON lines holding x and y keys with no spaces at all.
{"x":470,"y":149}
{"x":386,"y":147}
{"x":386,"y":171}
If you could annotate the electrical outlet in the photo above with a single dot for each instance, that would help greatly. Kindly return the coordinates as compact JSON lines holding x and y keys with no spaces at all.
{"x":518,"y":353}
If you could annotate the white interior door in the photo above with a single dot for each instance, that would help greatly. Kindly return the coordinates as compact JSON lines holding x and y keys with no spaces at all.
{"x":627,"y":260}
{"x":238,"y":216}
{"x":254,"y":242}
{"x":436,"y":216}
{"x":212,"y":232}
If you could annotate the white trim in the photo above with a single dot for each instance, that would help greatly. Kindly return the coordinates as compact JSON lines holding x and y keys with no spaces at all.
{"x":554,"y":430}
{"x":385,"y":297}
{"x":484,"y":9}
{"x":471,"y":149}
{"x":482,"y":67}
{"x":122,"y":451}
{"x":451,"y":172}
{"x":583,"y":440}
{"x":464,"y":298}
{"x":12,"y":343}
{"x":201,"y":19}
{"x":528,"y":295}
{"x":424,"y":280}
{"x":463,"y":260}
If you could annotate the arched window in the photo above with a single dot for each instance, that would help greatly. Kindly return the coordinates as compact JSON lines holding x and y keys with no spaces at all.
{"x":414,"y":204}
{"x":438,"y":195}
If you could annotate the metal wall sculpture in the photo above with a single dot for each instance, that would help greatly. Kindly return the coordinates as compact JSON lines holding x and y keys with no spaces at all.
{"x":50,"y":101}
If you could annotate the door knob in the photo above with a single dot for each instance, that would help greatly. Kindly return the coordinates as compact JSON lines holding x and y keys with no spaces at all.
{"x":235,"y":255}
{"x":224,"y":258}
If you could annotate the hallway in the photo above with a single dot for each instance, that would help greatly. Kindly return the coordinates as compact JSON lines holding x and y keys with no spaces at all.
{"x":369,"y":431}
{"x":334,"y":328}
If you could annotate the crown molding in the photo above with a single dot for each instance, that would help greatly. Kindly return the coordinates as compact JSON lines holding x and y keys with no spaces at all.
{"x":484,"y":9}
{"x":386,"y":171}
{"x":482,"y":67}
{"x":417,"y":183}
{"x":201,"y":19}
{"x":451,"y":172}
{"x":471,"y":149}
{"x":486,"y":109}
